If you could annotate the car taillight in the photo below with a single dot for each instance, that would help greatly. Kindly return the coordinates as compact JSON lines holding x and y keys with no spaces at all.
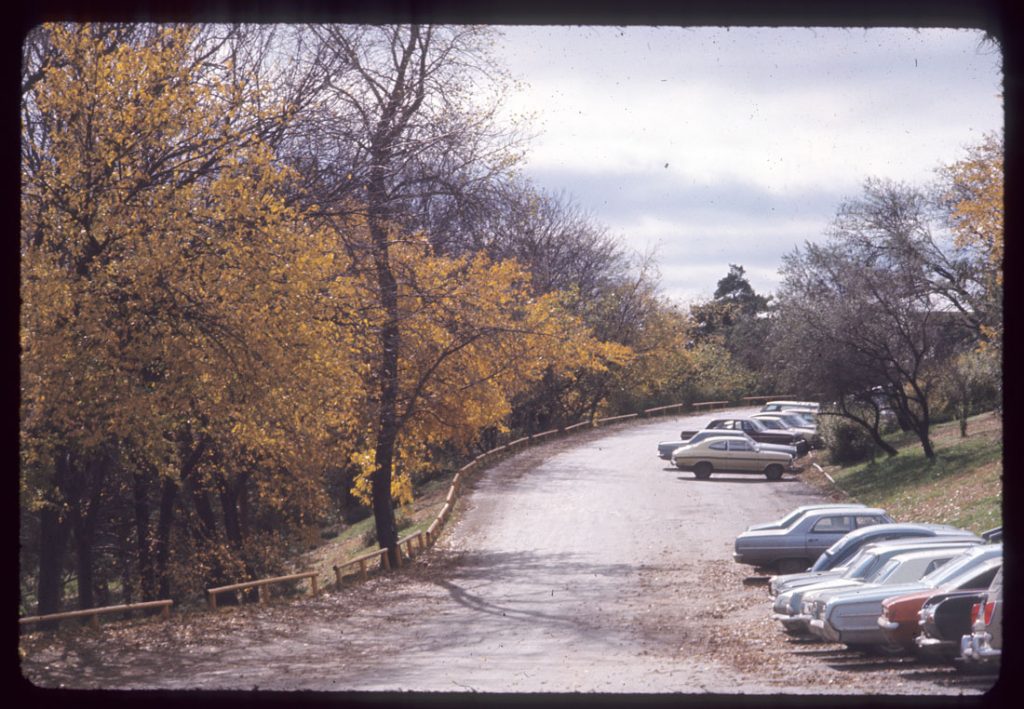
{"x":989,"y":607}
{"x":974,"y":613}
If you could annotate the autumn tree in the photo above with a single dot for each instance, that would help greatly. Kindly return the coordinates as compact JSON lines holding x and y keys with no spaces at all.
{"x":168,"y":330}
{"x":864,"y":308}
{"x":970,"y":199}
{"x":400,"y":125}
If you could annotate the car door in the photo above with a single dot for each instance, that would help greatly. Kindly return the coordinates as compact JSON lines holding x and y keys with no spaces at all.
{"x":742,"y":455}
{"x":718,"y":453}
{"x":826,"y":532}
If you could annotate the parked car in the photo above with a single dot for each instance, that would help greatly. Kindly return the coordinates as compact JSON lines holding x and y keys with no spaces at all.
{"x":794,"y":548}
{"x":854,"y":545}
{"x":866,"y":567}
{"x":733,"y":455}
{"x":759,"y":432}
{"x":796,"y":513}
{"x":666,"y":448}
{"x":899,"y":619}
{"x":791,"y":423}
{"x":851,"y":617}
{"x":795,"y":420}
{"x":943,"y":620}
{"x":985,"y":642}
{"x":811,"y":406}
{"x":846,"y":546}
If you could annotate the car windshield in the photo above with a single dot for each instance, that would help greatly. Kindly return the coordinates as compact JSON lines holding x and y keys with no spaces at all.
{"x":887,"y":569}
{"x":954,"y":568}
{"x":823,"y":562}
{"x":860,"y":566}
{"x":793,"y":420}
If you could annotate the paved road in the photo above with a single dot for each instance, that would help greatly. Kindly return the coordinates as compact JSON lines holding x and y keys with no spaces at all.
{"x":548,"y":581}
{"x":582,"y":564}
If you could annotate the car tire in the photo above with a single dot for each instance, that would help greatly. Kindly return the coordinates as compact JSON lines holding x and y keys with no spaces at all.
{"x":702,"y":470}
{"x":773,"y":472}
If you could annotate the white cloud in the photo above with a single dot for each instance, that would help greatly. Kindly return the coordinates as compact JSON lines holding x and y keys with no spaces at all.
{"x":694,"y":133}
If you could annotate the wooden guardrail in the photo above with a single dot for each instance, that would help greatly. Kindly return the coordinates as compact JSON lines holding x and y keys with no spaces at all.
{"x":361,"y":560}
{"x":95,"y":613}
{"x":260,"y":584}
{"x":609,"y":419}
{"x":781,"y":397}
{"x":427,"y":538}
{"x":657,"y":409}
{"x":711,"y":403}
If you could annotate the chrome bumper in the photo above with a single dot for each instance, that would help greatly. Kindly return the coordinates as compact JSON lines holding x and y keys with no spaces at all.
{"x":824,"y":630}
{"x":886,"y":624}
{"x":976,"y":647}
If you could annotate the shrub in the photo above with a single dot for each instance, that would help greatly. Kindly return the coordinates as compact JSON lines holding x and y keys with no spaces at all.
{"x":846,"y":441}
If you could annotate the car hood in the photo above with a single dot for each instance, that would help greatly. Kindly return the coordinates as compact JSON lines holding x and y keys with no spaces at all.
{"x":781,"y":584}
{"x":820,"y":590}
{"x":870,"y":592}
{"x":916,"y":598}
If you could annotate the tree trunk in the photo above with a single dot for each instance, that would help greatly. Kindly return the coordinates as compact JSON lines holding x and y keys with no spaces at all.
{"x":54,"y":532}
{"x":168,"y":495}
{"x":387,"y":424}
{"x":84,"y":518}
{"x":83,"y":561}
{"x":147,"y":573}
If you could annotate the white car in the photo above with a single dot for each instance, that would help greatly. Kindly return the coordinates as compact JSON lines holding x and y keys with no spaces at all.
{"x":865,"y":567}
{"x":811,"y":406}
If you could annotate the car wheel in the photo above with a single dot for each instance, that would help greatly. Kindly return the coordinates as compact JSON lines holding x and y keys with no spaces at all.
{"x":702,"y":471}
{"x":773,"y":472}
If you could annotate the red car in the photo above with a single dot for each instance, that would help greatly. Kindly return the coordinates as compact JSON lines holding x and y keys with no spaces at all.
{"x":899,"y":619}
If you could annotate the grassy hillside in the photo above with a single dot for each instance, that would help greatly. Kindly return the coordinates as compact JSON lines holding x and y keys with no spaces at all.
{"x":962,"y":486}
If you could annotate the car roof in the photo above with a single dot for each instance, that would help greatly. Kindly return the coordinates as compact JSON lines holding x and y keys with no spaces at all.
{"x":890,"y":527}
{"x":712,"y":439}
{"x":938,"y":539}
{"x":840,"y":510}
{"x":921,"y":554}
{"x":911,"y":544}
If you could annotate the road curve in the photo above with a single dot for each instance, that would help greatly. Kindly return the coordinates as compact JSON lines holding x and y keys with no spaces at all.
{"x":583,"y":564}
{"x":544,"y":583}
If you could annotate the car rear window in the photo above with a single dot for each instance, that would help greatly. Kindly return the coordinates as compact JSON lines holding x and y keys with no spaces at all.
{"x":867,"y":520}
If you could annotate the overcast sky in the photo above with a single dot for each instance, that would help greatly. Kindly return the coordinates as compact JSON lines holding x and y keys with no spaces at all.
{"x":713,"y":146}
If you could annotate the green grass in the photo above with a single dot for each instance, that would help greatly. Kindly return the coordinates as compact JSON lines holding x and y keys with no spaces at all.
{"x":961,"y":486}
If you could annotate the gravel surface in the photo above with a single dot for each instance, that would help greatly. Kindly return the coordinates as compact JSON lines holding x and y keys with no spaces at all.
{"x":585,"y":564}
